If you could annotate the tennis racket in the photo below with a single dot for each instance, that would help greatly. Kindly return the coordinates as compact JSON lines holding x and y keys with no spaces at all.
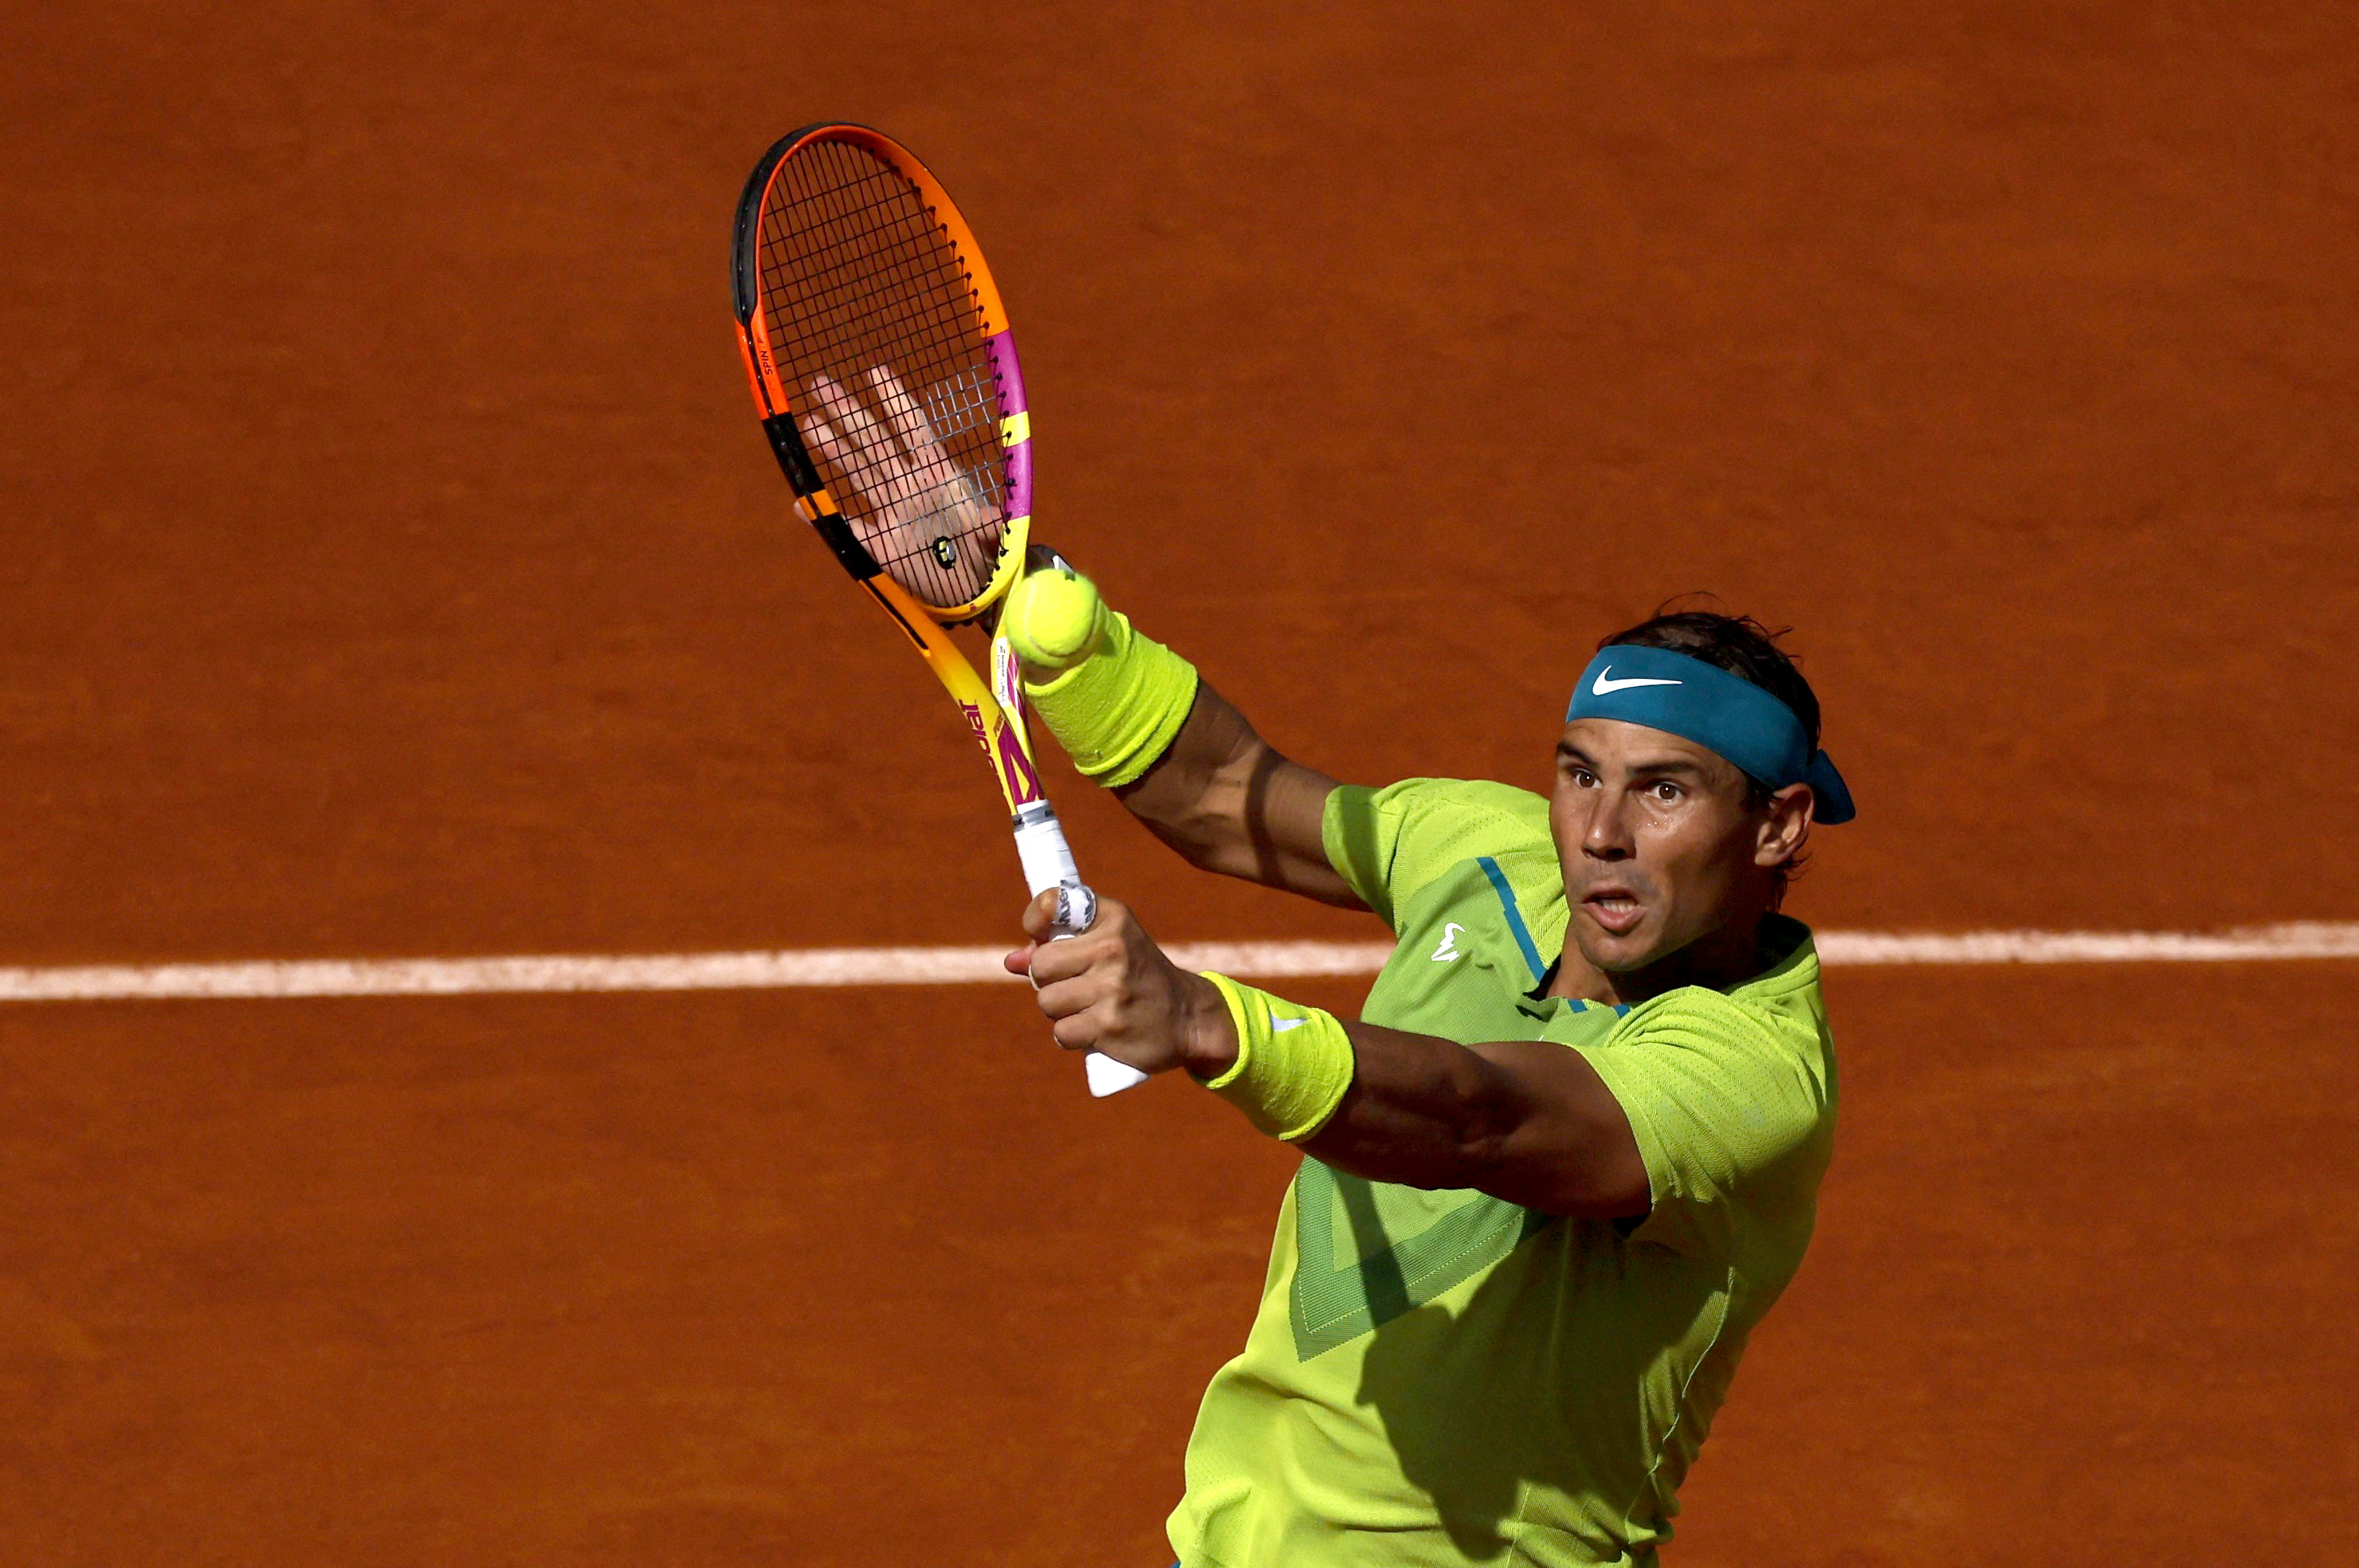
{"x":888,"y":383}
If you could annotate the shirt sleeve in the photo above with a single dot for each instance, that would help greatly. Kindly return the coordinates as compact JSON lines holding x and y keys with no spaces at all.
{"x":1388,"y":843}
{"x":1729,"y":1110}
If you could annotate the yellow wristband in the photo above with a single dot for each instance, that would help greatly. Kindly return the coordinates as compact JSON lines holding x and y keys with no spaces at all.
{"x":1117,"y":711}
{"x":1293,"y":1062}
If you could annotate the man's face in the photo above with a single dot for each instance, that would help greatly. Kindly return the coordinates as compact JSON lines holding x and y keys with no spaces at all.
{"x":1658,"y":844}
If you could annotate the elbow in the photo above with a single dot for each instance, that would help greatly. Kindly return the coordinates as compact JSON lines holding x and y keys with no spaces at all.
{"x":1212,"y":825}
{"x":1200,"y":834}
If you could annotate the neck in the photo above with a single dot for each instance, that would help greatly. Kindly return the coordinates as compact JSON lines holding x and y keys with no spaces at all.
{"x":1718,"y":960}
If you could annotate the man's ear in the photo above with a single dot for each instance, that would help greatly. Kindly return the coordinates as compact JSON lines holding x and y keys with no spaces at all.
{"x":1785,"y":825}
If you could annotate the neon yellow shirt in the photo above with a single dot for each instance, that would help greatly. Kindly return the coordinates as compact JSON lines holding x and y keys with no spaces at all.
{"x":1442,"y":1379}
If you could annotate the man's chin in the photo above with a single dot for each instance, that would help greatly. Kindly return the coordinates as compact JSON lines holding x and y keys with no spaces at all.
{"x":1616,"y":952}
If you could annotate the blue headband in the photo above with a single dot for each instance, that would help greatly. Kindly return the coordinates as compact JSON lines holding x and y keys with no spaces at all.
{"x":1705,"y":704}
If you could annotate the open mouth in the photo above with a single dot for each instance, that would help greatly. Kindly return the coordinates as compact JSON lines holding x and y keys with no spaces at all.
{"x":1616,"y":909}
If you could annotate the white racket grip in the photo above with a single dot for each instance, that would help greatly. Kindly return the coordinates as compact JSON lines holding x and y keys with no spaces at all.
{"x":1040,"y":846}
{"x":1048,"y":863}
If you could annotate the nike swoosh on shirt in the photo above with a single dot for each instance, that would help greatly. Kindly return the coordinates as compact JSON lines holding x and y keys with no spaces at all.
{"x":1601,"y":686}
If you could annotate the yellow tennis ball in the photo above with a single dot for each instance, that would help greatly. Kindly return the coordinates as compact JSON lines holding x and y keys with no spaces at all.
{"x":1054,"y":619}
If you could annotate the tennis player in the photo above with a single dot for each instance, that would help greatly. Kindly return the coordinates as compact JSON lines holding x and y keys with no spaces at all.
{"x":1569,"y":1153}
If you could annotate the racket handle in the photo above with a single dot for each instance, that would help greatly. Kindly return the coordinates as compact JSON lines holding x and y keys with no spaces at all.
{"x":1049,"y":863}
{"x":1108,"y":1077}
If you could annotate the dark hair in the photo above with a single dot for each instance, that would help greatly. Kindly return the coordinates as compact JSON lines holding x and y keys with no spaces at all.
{"x":1742,"y":646}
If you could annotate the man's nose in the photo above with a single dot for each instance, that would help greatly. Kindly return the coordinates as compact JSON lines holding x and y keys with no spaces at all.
{"x":1608,"y":838}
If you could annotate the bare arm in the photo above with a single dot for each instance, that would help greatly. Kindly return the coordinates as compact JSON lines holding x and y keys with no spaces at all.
{"x":1227,"y":802}
{"x":1523,"y":1119}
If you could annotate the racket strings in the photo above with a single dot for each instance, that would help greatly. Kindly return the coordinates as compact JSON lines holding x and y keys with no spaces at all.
{"x":871,"y":318}
{"x":818,"y":295}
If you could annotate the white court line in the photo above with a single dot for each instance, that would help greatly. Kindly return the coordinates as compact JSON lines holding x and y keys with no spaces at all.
{"x":967,"y":966}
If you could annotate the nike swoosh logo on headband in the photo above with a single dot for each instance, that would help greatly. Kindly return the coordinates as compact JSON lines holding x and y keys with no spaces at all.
{"x":1601,"y":686}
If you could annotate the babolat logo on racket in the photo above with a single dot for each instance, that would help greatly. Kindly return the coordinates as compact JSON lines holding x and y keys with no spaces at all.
{"x":855,"y":280}
{"x":1023,"y":783}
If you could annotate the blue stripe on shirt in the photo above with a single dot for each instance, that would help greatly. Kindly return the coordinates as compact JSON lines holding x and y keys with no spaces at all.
{"x":1515,"y":916}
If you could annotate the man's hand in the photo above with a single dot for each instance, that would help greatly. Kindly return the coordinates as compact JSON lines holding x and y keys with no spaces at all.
{"x":1111,"y":990}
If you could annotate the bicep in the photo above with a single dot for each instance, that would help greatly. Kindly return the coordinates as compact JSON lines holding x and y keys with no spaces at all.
{"x":1281,"y":807}
{"x":1226,"y":800}
{"x":1572,"y":1151}
{"x":1525,"y":1120}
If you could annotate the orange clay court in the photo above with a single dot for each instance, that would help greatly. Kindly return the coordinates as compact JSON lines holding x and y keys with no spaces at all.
{"x":393,"y":569}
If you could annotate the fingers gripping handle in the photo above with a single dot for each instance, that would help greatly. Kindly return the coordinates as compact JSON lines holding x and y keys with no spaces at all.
{"x":1049,"y":863}
{"x":1077,"y":911}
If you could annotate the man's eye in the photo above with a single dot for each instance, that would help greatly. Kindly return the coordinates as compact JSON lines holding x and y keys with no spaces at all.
{"x":1584,"y":777}
{"x":1666,"y":790}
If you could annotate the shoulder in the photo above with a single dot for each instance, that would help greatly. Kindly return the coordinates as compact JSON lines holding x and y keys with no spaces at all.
{"x":1468,"y":801}
{"x":1389,"y":842}
{"x":1773,"y":1027}
{"x":1754,"y":1064}
{"x":1732,"y":1103}
{"x":1731,"y":1096}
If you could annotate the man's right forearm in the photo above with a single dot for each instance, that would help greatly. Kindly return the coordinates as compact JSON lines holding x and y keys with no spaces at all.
{"x":1228,"y":802}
